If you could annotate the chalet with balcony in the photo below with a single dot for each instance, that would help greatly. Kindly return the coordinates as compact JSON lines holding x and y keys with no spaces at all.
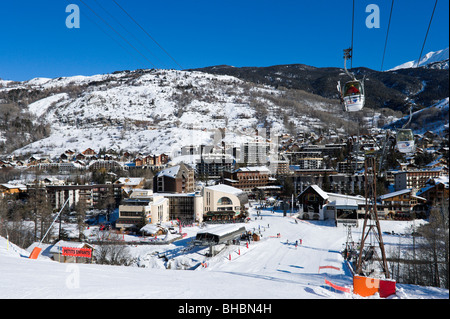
{"x":402,"y":205}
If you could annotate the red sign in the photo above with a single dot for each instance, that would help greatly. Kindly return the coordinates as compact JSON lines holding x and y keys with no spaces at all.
{"x":77,"y":252}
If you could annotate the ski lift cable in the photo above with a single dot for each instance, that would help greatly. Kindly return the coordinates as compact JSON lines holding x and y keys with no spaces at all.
{"x":426,"y":35}
{"x":112,"y":28}
{"x":353,"y":27}
{"x":112,"y":38}
{"x":147,"y":33}
{"x":123,"y":27}
{"x":348,"y":56}
{"x":54,"y":220}
{"x":410,"y":117}
{"x":387,"y":34}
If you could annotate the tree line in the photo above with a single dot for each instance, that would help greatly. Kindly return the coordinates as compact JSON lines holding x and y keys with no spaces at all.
{"x":425,"y":261}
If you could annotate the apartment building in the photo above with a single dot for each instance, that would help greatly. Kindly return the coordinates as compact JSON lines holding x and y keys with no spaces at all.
{"x":247,"y":178}
{"x":141,"y":208}
{"x":174,"y":179}
{"x":415,"y":178}
{"x":94,"y":195}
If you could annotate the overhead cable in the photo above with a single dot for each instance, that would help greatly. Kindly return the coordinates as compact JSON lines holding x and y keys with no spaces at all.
{"x":147,"y":34}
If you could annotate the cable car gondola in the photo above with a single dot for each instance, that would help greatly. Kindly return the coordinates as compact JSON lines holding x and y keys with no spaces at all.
{"x":405,"y":137}
{"x":405,"y":141}
{"x":352,"y":93}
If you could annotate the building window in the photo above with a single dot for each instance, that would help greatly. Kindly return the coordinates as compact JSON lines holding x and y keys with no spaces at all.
{"x":224,"y":201}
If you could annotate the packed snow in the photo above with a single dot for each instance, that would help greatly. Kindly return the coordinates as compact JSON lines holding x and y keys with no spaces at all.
{"x":271,"y":268}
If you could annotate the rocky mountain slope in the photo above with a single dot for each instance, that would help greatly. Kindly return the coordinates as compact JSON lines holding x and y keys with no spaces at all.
{"x":156,"y":111}
{"x":391,"y":89}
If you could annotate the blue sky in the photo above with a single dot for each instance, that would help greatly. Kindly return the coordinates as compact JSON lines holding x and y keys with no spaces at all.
{"x":35,"y":41}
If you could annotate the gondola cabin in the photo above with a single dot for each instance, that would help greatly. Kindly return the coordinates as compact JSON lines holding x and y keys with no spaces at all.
{"x":405,"y":141}
{"x":352,"y":94}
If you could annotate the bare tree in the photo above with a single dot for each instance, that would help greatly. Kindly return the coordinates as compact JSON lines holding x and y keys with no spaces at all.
{"x":39,"y":209}
{"x":80,"y":216}
{"x":111,"y":250}
{"x":435,"y":246}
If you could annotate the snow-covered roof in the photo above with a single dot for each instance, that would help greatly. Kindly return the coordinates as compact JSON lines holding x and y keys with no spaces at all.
{"x":319,"y":191}
{"x":57,"y":248}
{"x":225,"y":189}
{"x":418,"y":197}
{"x":442,"y":180}
{"x":13,"y":186}
{"x":151,"y":229}
{"x":432,"y":182}
{"x":170,"y":171}
{"x":343,"y":203}
{"x":193,"y":194}
{"x":253,"y":169}
{"x":221,"y":230}
{"x":130,"y":181}
{"x":397,"y":193}
{"x":343,"y":197}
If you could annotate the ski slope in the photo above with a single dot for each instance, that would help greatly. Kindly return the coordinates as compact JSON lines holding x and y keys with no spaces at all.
{"x":272,"y":268}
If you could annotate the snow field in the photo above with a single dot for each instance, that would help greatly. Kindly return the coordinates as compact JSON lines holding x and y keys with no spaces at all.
{"x":272,"y":268}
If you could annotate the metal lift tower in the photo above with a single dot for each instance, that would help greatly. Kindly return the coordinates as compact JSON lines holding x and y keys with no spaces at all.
{"x":371,"y":247}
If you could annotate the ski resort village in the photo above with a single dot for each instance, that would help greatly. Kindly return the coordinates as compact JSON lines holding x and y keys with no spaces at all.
{"x":292,"y":216}
{"x":227,"y":183}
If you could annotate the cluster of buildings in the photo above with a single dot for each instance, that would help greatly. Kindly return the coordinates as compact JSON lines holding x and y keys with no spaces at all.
{"x":411,"y":189}
{"x":176,"y":196}
{"x":315,"y":203}
{"x":89,"y":159}
{"x":214,"y":182}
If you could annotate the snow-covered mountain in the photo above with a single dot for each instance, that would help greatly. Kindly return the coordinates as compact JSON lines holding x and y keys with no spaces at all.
{"x":156,"y":111}
{"x":159,"y":111}
{"x":390,"y":90}
{"x":434,"y":118}
{"x":438,"y":59}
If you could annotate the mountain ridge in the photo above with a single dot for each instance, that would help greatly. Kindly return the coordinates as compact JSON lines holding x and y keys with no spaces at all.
{"x":389,"y":89}
{"x":440,"y":57}
{"x":158,"y":109}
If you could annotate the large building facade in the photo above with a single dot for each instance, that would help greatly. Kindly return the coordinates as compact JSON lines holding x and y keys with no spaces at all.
{"x":224,"y":203}
{"x":174,"y":179}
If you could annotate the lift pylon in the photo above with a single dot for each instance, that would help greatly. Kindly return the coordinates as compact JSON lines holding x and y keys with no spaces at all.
{"x":370,"y":250}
